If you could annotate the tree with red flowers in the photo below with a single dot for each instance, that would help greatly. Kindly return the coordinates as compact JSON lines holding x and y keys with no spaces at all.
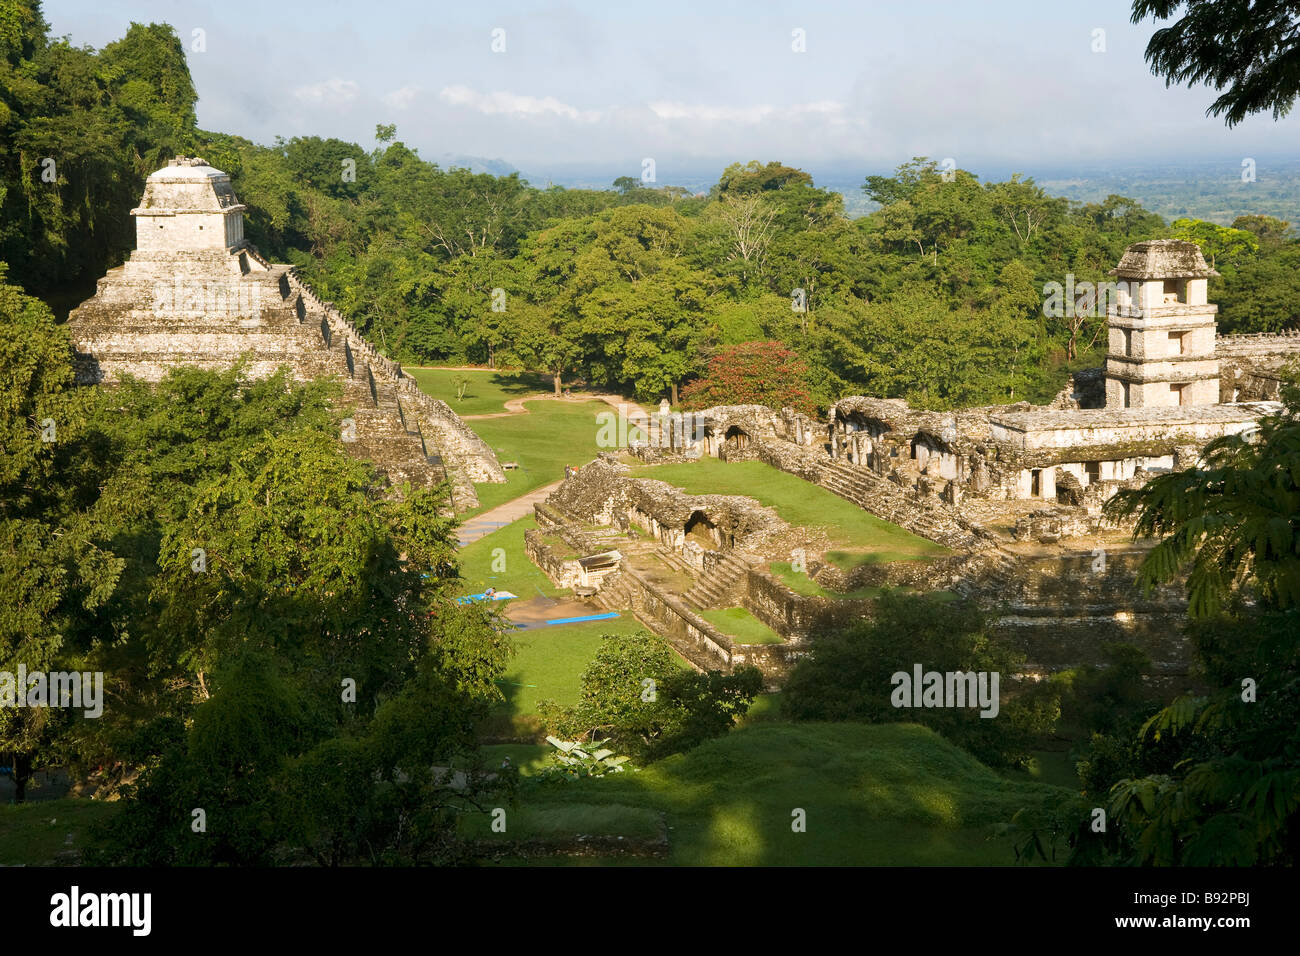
{"x":753,"y":373}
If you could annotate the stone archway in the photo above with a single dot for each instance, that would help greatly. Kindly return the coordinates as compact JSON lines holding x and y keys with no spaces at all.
{"x":701,"y":529}
{"x":736,"y":439}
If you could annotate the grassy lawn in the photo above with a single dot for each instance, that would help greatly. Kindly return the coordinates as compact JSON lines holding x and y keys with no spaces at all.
{"x":858,"y":536}
{"x":487,"y":392}
{"x":549,"y":661}
{"x":873,"y":795}
{"x":564,"y":823}
{"x":549,"y":436}
{"x":743,"y":626}
{"x":479,"y":559}
{"x":527,"y":758}
{"x":765,"y":707}
{"x":552,"y":435}
{"x":1050,"y":766}
{"x":33,"y":833}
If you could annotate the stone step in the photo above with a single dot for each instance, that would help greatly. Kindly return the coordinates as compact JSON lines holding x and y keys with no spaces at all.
{"x":676,"y":562}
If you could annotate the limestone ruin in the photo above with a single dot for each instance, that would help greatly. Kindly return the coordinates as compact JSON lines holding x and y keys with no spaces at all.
{"x":196,"y":292}
{"x":1016,"y":491}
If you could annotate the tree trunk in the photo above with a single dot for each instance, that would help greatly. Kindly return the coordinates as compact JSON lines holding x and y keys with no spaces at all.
{"x":22,"y":773}
{"x":557,"y":384}
{"x":674,"y":391}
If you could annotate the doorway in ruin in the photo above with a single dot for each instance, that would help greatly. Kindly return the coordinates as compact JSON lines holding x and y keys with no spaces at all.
{"x":703,"y":531}
{"x":920,"y":452}
{"x":736,"y":439}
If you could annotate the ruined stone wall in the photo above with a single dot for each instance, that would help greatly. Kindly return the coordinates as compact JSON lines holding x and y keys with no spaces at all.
{"x":1259,"y":346}
{"x":1255,"y":368}
{"x":796,"y":616}
{"x":1060,"y":611}
{"x":694,"y":638}
{"x":562,"y":573}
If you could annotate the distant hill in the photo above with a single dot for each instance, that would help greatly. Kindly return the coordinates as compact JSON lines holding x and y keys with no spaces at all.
{"x":475,"y":164}
{"x":1213,"y":191}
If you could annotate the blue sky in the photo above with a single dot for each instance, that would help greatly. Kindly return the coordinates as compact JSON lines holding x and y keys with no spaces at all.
{"x":601,"y":86}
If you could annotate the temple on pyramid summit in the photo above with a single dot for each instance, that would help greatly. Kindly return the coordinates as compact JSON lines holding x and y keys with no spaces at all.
{"x":196,"y":292}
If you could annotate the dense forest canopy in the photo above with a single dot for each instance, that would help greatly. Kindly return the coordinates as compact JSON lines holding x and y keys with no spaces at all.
{"x":936,"y":297}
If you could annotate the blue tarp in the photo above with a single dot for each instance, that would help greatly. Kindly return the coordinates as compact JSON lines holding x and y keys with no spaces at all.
{"x":474,"y":598}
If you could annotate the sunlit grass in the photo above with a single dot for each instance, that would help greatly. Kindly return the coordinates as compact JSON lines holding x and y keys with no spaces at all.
{"x":856,"y":535}
{"x":873,"y":795}
{"x":742,"y":625}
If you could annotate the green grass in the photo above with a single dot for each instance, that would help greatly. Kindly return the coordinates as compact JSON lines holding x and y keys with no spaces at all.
{"x":857,"y":536}
{"x":549,"y":661}
{"x":1050,"y":766}
{"x":873,"y":795}
{"x":33,"y":833}
{"x":480,"y":559}
{"x":487,"y":392}
{"x":765,"y":707}
{"x":743,"y":626}
{"x":564,"y":823}
{"x":552,"y":435}
{"x":542,"y":441}
{"x":528,"y":759}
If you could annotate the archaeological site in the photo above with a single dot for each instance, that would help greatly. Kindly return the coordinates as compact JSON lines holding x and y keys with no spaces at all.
{"x":1011,"y":494}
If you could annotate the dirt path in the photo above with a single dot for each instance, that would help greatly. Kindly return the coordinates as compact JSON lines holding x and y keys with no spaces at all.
{"x":482,"y":525}
{"x":515,"y":406}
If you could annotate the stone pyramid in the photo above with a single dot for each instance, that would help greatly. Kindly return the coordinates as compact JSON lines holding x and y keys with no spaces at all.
{"x":196,"y":292}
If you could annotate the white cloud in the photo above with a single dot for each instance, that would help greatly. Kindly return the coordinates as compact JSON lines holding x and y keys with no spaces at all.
{"x":516,"y":104}
{"x":666,"y":110}
{"x":334,"y":90}
{"x":402,"y":98}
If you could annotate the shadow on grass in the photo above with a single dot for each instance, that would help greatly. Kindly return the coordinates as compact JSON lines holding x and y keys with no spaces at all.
{"x":775,"y":793}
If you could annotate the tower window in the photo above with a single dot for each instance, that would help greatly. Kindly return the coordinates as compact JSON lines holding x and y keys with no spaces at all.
{"x":1177,"y":343}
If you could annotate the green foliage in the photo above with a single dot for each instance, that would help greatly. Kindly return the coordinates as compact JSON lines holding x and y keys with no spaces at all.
{"x":1224,"y":248}
{"x":636,"y":696}
{"x":1261,"y":295}
{"x":79,"y":131}
{"x":1215,"y":779}
{"x":575,"y":759}
{"x":1104,"y":699}
{"x":848,"y":677}
{"x":1231,"y":523}
{"x":1249,"y":50}
{"x":211,"y":548}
